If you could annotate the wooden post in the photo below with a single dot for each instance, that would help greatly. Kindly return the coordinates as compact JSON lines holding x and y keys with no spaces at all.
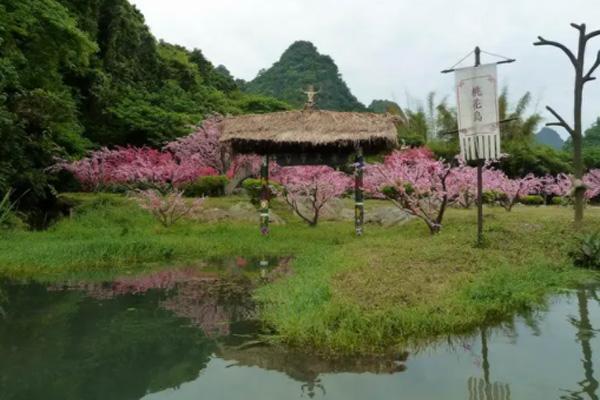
{"x":359,"y":205}
{"x":479,"y":173}
{"x":264,"y":196}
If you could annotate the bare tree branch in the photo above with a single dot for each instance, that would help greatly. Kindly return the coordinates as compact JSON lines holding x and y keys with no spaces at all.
{"x":592,"y":35}
{"x":543,"y":42}
{"x":579,"y":27}
{"x":561,"y":122}
{"x":588,"y":77}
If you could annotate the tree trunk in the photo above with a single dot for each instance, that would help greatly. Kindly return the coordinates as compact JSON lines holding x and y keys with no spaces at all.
{"x":577,"y":133}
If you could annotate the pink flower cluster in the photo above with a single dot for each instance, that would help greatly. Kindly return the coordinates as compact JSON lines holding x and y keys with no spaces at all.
{"x":178,"y":163}
{"x":418,"y":183}
{"x":130,"y":165}
{"x":308,"y":188}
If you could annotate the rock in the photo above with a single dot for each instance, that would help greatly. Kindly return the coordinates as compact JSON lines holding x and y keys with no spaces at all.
{"x":387,"y":216}
{"x":212,"y":215}
{"x":347,"y":214}
{"x":333,"y":210}
{"x":247,"y":212}
{"x":243,"y":212}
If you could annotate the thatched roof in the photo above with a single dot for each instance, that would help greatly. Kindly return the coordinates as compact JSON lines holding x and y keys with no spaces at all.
{"x":302,"y":130}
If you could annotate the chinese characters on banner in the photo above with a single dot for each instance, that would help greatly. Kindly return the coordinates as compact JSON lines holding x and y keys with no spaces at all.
{"x":477,"y":101}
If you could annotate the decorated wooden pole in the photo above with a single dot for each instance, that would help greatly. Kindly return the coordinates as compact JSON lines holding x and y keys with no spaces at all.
{"x":264,"y":196}
{"x":359,"y":205}
{"x":480,"y":161}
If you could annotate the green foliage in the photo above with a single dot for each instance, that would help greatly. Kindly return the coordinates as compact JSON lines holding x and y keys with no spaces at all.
{"x":207,"y":186}
{"x":559,"y":201}
{"x":587,"y":251}
{"x":75,"y":75}
{"x":301,"y":65}
{"x":253,"y":188}
{"x":524,"y":158}
{"x":446,"y":150}
{"x":532,"y":200}
{"x":385,"y":106}
{"x":8,"y":219}
{"x":522,"y":128}
{"x":491,"y":196}
{"x":590,"y":146}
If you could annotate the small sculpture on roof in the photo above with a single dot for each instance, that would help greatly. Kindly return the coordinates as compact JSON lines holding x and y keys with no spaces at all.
{"x":310,"y":94}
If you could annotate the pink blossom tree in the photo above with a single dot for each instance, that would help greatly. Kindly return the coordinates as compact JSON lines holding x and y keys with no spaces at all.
{"x":414,"y":182}
{"x":180,"y":162}
{"x":510,"y":190}
{"x":560,"y":185}
{"x":462,"y":185}
{"x":167,"y":208}
{"x":307,"y":189}
{"x":592,"y":182}
{"x":135,"y":167}
{"x":204,"y":149}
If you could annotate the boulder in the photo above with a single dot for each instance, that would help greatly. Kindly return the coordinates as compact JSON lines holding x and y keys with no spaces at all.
{"x":247,"y":212}
{"x":387,"y":216}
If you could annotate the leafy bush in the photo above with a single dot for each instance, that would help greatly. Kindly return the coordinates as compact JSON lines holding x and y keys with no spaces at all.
{"x":8,"y":218}
{"x":207,"y":186}
{"x":559,"y":201}
{"x":539,"y":160}
{"x":253,"y":188}
{"x":587,"y":253}
{"x":532,"y":200}
{"x":491,"y":196}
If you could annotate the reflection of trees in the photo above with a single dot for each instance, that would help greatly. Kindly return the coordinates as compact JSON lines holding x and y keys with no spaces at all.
{"x":65,"y":345}
{"x":585,"y":332}
{"x":307,"y":368}
{"x":484,"y":389}
{"x":208,"y":301}
{"x":212,"y":306}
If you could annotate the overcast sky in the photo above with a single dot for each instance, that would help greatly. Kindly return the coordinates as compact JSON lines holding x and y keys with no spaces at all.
{"x":392,"y":49}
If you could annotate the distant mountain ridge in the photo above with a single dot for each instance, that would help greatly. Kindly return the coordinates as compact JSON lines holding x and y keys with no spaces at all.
{"x":302,"y":65}
{"x":549,"y":137}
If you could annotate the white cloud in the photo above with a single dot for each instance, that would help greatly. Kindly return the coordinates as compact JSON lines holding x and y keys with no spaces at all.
{"x":387,"y":48}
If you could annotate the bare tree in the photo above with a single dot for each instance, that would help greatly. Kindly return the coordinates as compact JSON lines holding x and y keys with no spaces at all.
{"x":581,"y":78}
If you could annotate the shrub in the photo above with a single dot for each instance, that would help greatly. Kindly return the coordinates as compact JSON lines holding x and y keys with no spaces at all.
{"x":253,"y":188}
{"x":166,"y":208}
{"x":491,"y":196}
{"x":587,"y":252}
{"x":532,"y":200}
{"x":559,"y":201}
{"x":207,"y":186}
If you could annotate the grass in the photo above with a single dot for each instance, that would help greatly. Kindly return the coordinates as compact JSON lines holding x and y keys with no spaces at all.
{"x":347,"y":295}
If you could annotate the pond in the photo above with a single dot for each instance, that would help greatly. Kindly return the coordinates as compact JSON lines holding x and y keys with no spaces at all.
{"x":189,"y":334}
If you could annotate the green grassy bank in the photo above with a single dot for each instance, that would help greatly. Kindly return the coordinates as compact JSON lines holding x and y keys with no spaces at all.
{"x":347,"y":294}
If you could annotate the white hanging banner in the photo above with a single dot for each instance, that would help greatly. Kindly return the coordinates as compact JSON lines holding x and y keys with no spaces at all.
{"x":477,"y":102}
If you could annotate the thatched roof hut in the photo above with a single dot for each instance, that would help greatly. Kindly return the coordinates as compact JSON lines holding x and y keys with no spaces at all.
{"x":309,"y":131}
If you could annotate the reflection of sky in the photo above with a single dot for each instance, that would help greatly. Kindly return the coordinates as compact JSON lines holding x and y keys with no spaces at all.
{"x":535,"y":367}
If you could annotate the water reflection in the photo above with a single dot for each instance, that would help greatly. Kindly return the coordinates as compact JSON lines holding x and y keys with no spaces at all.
{"x":483,"y":388}
{"x":585,"y":333}
{"x":188,"y":334}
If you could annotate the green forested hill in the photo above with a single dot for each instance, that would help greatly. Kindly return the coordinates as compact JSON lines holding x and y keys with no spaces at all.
{"x":385,"y":106}
{"x":80,"y":74}
{"x":301,"y":65}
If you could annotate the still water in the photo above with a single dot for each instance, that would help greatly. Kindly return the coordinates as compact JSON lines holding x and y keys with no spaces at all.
{"x":185,"y":334}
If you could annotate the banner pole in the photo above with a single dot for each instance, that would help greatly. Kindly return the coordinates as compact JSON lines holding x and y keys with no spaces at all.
{"x":479,"y":172}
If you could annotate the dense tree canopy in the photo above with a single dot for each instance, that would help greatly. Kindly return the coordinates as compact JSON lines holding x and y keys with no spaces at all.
{"x":75,"y":75}
{"x":301,"y":65}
